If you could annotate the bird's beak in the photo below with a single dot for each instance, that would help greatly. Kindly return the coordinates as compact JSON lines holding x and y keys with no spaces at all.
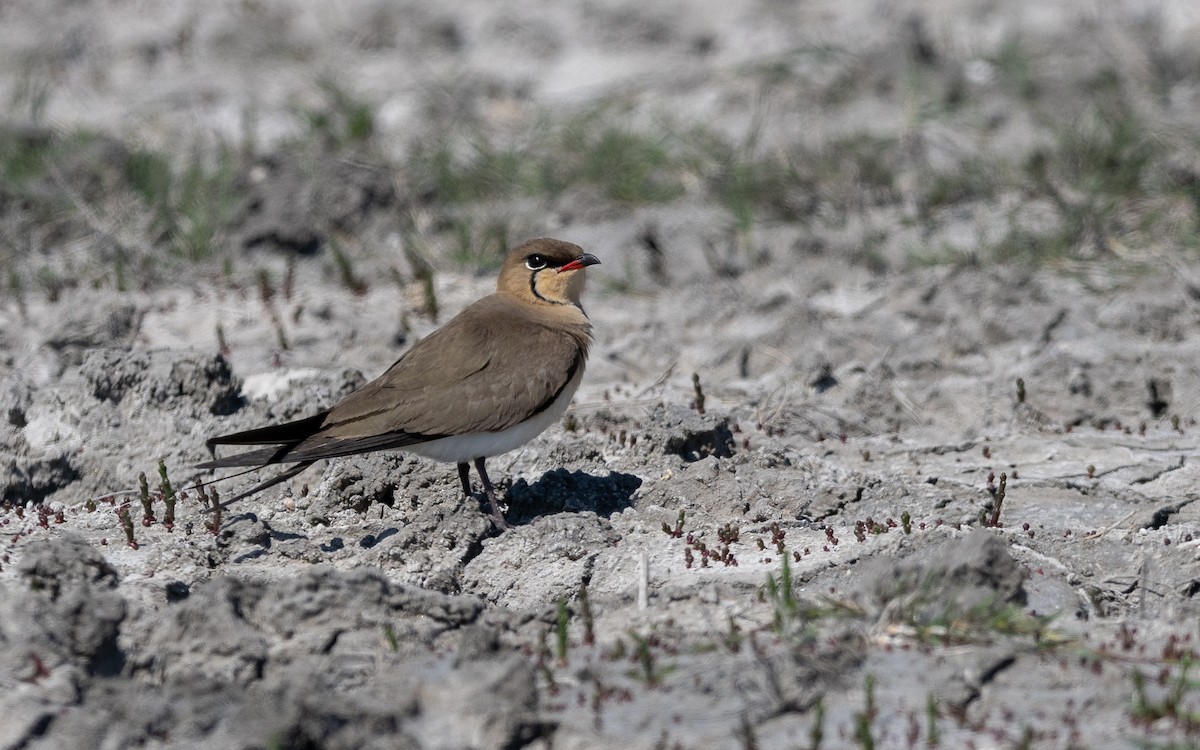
{"x":587,"y":259}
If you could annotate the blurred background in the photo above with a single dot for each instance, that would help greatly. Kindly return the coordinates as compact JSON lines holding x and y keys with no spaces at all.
{"x":144,"y":142}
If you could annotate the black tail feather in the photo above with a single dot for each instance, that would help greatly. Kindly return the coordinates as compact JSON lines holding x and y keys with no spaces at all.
{"x":288,"y":432}
{"x":260,"y":457}
{"x":280,"y":438}
{"x":277,"y":479}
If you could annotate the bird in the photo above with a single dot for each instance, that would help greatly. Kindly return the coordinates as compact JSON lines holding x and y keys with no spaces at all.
{"x":488,"y":381}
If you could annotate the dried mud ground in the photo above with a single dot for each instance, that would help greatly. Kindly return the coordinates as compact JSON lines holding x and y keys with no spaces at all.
{"x":374,"y":607}
{"x":937,"y":299}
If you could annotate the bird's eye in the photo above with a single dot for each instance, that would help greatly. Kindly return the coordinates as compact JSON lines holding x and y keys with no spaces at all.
{"x":535,"y":262}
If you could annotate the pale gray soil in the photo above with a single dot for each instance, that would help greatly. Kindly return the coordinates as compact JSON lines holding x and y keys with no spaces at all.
{"x":848,"y":385}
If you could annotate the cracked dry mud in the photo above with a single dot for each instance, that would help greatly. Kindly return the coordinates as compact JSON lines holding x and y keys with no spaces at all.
{"x":857,"y":421}
{"x":376,"y":608}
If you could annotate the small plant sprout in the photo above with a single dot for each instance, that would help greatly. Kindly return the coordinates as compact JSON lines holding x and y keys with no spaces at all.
{"x":1020,"y":390}
{"x":1091,"y":471}
{"x":723,"y":555}
{"x":215,"y":525}
{"x":168,"y":496}
{"x":698,"y":398}
{"x":169,"y":514}
{"x":266,"y":292}
{"x":645,"y":659}
{"x":746,"y":734}
{"x":782,"y":598}
{"x":778,"y":535}
{"x":999,"y":501}
{"x":933,"y":737}
{"x":345,"y":267}
{"x":147,"y":508}
{"x":423,"y":271}
{"x":733,"y":636}
{"x":727,"y":534}
{"x":389,"y":635}
{"x":17,"y":288}
{"x":618,"y":650}
{"x":164,"y":481}
{"x":585,"y":611}
{"x":289,"y":278}
{"x":127,"y":525}
{"x":543,"y":665}
{"x":817,"y":733}
{"x":222,"y":342}
{"x":648,"y":670}
{"x":1173,"y":706}
{"x":676,"y":532}
{"x":863,"y":721}
{"x":906,"y":522}
{"x":211,"y":504}
{"x":561,"y":642}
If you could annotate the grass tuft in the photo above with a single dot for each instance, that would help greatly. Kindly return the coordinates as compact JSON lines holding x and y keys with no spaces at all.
{"x":341,"y":119}
{"x":783,"y":598}
{"x":191,"y":204}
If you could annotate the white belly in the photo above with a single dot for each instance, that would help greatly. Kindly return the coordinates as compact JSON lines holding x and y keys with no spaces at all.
{"x":463,"y":448}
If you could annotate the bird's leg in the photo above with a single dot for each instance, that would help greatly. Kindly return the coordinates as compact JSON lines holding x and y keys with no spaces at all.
{"x":464,"y":476}
{"x":490,"y":493}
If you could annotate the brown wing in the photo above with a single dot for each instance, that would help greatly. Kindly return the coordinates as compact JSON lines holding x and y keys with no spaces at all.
{"x":488,"y":369}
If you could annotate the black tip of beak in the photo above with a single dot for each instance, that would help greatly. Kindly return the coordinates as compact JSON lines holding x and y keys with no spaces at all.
{"x":583,"y":261}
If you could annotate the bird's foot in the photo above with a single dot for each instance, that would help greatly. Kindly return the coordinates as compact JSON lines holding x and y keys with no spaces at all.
{"x":488,"y":491}
{"x":495,"y":513}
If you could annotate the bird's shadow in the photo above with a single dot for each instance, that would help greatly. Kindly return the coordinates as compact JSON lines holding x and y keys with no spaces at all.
{"x":562,"y":491}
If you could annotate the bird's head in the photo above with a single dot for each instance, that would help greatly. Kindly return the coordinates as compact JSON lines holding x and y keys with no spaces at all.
{"x":545,"y":271}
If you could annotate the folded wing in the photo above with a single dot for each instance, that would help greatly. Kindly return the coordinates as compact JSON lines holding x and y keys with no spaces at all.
{"x":485,"y":371}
